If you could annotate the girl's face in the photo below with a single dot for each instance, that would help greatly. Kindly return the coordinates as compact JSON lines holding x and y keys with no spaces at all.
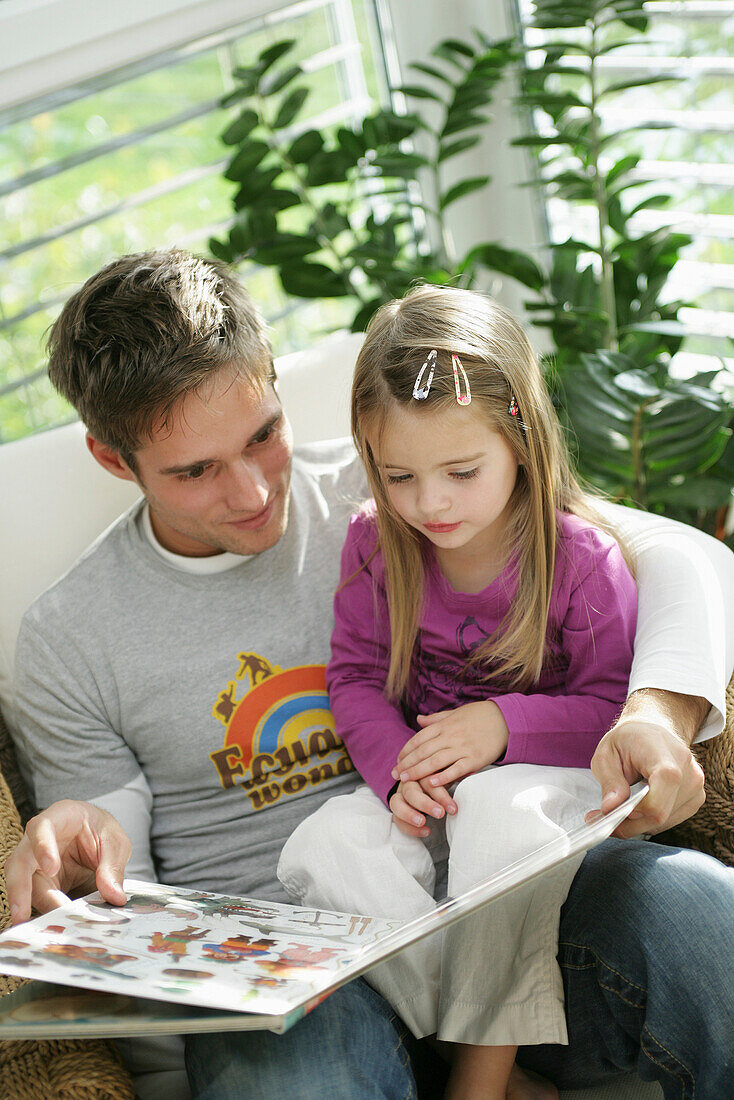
{"x":449,"y":476}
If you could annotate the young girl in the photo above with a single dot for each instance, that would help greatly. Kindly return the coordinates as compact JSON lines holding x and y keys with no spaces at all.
{"x":482,"y":606}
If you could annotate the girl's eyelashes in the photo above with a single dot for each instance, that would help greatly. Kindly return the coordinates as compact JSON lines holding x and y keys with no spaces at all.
{"x":459,"y":475}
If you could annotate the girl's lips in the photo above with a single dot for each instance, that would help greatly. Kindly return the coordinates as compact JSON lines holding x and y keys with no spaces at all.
{"x":441,"y":528}
{"x":253,"y":523}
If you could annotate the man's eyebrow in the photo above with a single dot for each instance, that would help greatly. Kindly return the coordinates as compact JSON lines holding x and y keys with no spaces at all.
{"x":270,"y":423}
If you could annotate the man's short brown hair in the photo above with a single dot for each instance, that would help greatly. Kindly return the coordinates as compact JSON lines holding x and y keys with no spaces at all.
{"x":145,"y":331}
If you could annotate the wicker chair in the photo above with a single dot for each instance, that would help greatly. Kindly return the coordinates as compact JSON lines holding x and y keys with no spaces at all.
{"x":67,"y":1069}
{"x":711,"y":830}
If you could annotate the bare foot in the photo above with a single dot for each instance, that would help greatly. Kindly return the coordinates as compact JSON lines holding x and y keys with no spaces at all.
{"x":524,"y":1085}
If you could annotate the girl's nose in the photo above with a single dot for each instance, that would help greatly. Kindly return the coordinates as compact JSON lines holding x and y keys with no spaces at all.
{"x":432,"y":499}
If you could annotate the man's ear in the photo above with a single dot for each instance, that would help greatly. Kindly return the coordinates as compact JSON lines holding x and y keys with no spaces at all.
{"x":109,"y":459}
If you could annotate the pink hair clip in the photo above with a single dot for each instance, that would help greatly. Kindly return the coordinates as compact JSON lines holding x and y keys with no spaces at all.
{"x":513,"y":408}
{"x":462,"y":398}
{"x":420,"y":393}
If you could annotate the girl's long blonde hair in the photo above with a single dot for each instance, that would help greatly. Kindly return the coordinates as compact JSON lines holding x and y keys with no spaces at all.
{"x":499,"y":363}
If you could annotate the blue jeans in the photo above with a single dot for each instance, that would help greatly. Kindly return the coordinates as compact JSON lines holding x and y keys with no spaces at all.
{"x":646,"y":953}
{"x":647,"y":957}
{"x":352,"y":1047}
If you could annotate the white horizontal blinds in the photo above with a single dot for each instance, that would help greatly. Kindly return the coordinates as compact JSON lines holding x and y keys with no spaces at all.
{"x":684,"y":132}
{"x":131,"y":160}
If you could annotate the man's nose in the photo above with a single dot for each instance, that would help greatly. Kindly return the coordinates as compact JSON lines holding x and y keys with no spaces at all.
{"x":247,"y":488}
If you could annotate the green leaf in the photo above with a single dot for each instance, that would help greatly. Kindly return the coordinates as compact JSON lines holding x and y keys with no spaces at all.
{"x":405,"y":165}
{"x":305,"y":147}
{"x":638,"y":82}
{"x":364,"y":314}
{"x":431,"y":70}
{"x":453,"y":47}
{"x":290,"y":107}
{"x":351,"y":144}
{"x":329,"y":166}
{"x":697,"y":492}
{"x":221,"y":250}
{"x":415,"y":91}
{"x":257,"y":184}
{"x":626,"y":164}
{"x":312,"y":280}
{"x":506,"y":261}
{"x":279,"y":80}
{"x":452,"y":148}
{"x":462,"y":120}
{"x":285,"y":247}
{"x":274,"y":53}
{"x":464,"y":187}
{"x":249,"y":156}
{"x":238,"y":130}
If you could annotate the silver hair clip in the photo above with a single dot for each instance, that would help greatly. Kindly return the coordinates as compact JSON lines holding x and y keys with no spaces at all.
{"x":465,"y":397}
{"x":420,"y":393}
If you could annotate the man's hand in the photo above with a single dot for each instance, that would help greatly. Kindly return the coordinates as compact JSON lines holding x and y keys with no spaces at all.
{"x":651,"y":742}
{"x":453,"y":744}
{"x":67,"y":850}
{"x":411,"y":802}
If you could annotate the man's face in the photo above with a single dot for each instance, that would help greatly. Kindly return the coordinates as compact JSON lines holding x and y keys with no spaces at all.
{"x":218,"y":476}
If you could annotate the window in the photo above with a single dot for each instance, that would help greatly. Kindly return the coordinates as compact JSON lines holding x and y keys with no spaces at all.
{"x":683,"y":131}
{"x":131,"y":159}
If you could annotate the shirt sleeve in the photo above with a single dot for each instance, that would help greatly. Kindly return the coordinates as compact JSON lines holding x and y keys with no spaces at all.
{"x":132,"y":807}
{"x":597,"y":639}
{"x":373,"y":728}
{"x":67,"y":744}
{"x":685,"y":629}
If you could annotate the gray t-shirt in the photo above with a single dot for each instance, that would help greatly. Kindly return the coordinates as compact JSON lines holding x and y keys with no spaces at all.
{"x":212,"y":686}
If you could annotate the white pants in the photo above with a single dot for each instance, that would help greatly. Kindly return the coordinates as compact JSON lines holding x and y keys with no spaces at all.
{"x":492,"y":978}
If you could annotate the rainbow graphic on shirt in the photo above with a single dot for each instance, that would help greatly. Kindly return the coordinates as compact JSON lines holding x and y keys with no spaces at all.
{"x":280,"y":736}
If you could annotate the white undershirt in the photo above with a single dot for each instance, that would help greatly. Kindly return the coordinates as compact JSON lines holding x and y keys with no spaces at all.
{"x":212,"y":563}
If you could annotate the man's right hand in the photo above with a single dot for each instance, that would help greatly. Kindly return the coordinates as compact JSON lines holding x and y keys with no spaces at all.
{"x":69,"y":849}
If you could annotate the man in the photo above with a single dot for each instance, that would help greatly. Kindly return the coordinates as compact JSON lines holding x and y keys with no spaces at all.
{"x":175,"y":678}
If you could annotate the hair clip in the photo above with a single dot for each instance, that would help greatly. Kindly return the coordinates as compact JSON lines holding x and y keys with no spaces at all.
{"x":513,"y":408}
{"x":462,"y":398}
{"x":420,"y":393}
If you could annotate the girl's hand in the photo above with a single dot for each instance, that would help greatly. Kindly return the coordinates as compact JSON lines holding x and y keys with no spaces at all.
{"x":453,"y":744}
{"x":411,"y":802}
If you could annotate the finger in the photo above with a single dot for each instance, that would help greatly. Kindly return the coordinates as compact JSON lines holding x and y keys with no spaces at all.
{"x":402,"y":811}
{"x":429,"y":719}
{"x":42,"y":837}
{"x":435,"y":756}
{"x":458,"y":770}
{"x":424,"y":803}
{"x":46,"y":894}
{"x":115,"y":851}
{"x":20,"y":868}
{"x":607,"y":769}
{"x":411,"y":830}
{"x":443,"y":797}
{"x":417,"y":741}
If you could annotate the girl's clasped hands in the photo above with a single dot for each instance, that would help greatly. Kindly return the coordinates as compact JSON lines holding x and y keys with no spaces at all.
{"x":451,"y":745}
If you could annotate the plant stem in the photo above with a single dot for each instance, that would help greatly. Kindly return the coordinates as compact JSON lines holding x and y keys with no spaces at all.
{"x":607,"y":270}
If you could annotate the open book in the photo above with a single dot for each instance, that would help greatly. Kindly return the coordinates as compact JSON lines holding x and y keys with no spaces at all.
{"x":174,"y":960}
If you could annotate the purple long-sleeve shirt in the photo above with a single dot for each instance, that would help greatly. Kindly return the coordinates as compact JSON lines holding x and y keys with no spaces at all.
{"x":560,"y":720}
